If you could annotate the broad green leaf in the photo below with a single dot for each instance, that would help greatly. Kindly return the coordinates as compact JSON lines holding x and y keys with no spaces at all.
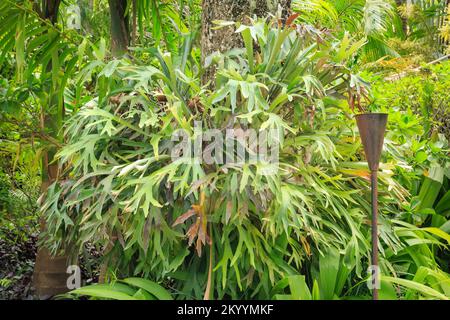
{"x":151,"y":287}
{"x":423,"y":289}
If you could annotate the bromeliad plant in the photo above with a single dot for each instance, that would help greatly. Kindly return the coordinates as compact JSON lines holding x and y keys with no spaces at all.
{"x":211,"y":230}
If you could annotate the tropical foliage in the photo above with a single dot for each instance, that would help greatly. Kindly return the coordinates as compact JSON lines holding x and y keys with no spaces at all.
{"x":126,"y":289}
{"x":92,"y":113}
{"x":241,"y":212}
{"x":375,"y":21}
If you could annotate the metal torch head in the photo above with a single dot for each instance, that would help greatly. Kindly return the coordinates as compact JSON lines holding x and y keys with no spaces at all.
{"x":371,"y":129}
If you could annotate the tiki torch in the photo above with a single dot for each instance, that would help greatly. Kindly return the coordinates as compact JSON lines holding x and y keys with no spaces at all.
{"x":371,"y":129}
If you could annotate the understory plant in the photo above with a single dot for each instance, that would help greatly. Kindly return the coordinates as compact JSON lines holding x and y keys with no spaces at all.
{"x":211,"y":230}
{"x":418,"y":140}
{"x":422,"y":95}
{"x":126,"y":289}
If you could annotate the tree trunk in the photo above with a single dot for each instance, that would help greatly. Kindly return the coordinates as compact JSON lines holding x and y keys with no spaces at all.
{"x":403,"y":19}
{"x":225,"y":39}
{"x":120,"y":39}
{"x":120,"y":27}
{"x":231,"y":10}
{"x":49,"y":277}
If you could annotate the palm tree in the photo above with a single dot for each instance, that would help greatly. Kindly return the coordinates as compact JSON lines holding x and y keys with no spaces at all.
{"x":374,"y":20}
{"x":425,"y":20}
{"x":28,"y":29}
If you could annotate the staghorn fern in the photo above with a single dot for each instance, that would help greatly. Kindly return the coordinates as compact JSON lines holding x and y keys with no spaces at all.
{"x":121,"y":190}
